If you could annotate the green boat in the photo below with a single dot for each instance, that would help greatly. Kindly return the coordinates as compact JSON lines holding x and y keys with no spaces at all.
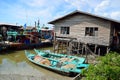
{"x":60,"y":57}
{"x":67,"y":68}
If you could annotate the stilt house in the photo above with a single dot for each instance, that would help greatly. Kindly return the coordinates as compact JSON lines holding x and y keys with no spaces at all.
{"x":88,"y":29}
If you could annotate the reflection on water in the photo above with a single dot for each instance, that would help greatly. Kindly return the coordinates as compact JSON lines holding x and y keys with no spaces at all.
{"x":16,"y":63}
{"x":22,"y":68}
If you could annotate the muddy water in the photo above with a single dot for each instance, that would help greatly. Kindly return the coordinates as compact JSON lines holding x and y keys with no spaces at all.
{"x":15,"y":63}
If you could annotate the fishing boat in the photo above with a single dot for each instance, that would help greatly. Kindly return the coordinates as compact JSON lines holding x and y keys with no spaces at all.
{"x":60,"y":57}
{"x":67,"y":68}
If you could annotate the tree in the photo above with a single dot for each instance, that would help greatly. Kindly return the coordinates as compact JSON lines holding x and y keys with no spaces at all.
{"x":108,"y":68}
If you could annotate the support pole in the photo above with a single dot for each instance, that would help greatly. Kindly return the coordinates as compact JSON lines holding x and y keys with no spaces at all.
{"x":62,"y":47}
{"x":82,"y":49}
{"x":78,"y":47}
{"x":107,"y":50}
{"x":99,"y":52}
{"x":86,"y":53}
{"x":58,"y":46}
{"x":54,"y":42}
{"x":67,"y":48}
{"x":95,"y":49}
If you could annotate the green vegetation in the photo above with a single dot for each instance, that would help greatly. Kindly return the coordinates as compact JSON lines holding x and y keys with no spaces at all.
{"x":107,"y":68}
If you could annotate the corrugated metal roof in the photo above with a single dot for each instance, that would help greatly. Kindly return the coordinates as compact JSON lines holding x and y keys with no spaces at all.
{"x":8,"y":24}
{"x":86,"y":13}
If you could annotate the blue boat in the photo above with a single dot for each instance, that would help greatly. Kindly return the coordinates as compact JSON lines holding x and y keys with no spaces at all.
{"x":69,"y":68}
{"x":60,"y":57}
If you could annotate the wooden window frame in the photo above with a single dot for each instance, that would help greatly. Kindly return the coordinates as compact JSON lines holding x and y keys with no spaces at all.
{"x":91,"y":31}
{"x":65,"y":30}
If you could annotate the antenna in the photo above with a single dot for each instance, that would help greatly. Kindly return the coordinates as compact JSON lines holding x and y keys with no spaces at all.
{"x":26,"y":15}
{"x":35,"y":25}
{"x":38,"y":22}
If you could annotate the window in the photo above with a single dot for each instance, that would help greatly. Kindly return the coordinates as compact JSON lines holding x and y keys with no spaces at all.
{"x":91,"y":31}
{"x":65,"y":30}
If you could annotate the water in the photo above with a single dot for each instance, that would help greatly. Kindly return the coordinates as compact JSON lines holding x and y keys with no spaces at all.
{"x":15,"y":63}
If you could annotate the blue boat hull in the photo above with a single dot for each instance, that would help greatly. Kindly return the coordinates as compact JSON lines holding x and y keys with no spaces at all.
{"x":67,"y":72}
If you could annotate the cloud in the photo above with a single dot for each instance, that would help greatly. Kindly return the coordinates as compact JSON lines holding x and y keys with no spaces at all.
{"x":108,"y":8}
{"x":48,"y":10}
{"x":30,"y":11}
{"x":115,"y":15}
{"x":78,"y":4}
{"x":104,"y":5}
{"x":44,"y":9}
{"x":34,"y":3}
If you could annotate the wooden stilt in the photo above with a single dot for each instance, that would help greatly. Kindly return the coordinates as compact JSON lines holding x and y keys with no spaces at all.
{"x":62,"y":47}
{"x":95,"y":49}
{"x":67,"y":47}
{"x":82,"y":49}
{"x":86,"y":53}
{"x":107,"y":50}
{"x":58,"y":46}
{"x":71,"y":48}
{"x":54,"y":46}
{"x":78,"y":47}
{"x":99,"y":52}
{"x":54,"y":42}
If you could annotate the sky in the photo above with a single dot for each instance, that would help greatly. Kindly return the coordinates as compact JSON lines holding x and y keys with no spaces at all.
{"x":28,"y":11}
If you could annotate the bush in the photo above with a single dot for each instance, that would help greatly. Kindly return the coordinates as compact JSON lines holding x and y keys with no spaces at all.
{"x":108,"y":68}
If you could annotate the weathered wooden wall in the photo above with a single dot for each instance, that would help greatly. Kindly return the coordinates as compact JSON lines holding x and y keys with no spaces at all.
{"x":79,"y":22}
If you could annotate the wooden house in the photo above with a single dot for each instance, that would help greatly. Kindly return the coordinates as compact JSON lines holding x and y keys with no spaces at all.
{"x":88,"y":29}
